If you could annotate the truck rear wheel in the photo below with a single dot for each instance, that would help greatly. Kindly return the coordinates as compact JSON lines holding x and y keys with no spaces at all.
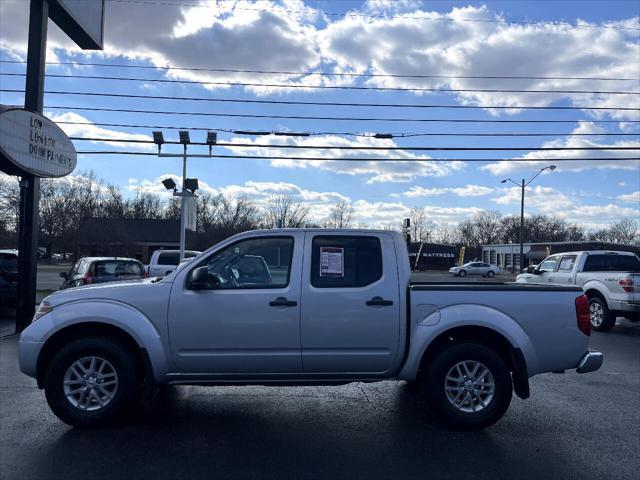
{"x":469,"y":386}
{"x":601,"y":318}
{"x":91,"y":382}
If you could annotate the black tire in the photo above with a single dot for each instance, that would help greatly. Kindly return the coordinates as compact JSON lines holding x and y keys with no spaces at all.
{"x":462,"y":273}
{"x":602,"y":320}
{"x":434,"y":382}
{"x":126,"y":393}
{"x":491,"y":274}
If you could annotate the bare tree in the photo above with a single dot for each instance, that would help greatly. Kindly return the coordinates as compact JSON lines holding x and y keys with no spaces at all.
{"x":421,"y":229}
{"x":625,"y":231}
{"x":446,"y":234}
{"x":282,"y":211}
{"x":482,"y":229}
{"x":340,"y":216}
{"x":9,"y":201}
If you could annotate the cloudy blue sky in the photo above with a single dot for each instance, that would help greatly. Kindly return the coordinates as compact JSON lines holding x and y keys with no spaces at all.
{"x":451,"y":39}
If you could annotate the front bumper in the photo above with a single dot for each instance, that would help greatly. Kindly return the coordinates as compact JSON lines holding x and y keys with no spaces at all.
{"x":28,"y":356}
{"x":591,"y":362}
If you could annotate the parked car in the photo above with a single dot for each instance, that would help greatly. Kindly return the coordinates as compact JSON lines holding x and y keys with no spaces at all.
{"x":343,"y":310}
{"x":475,"y":268}
{"x":8,"y":277}
{"x":611,"y":281}
{"x":90,"y":270}
{"x":163,"y":262}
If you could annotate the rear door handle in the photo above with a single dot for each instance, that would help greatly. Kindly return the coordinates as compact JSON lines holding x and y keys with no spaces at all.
{"x":282,"y":302}
{"x":379,"y":301}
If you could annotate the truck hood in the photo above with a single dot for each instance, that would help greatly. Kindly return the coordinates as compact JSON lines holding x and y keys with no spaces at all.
{"x":105,"y":291}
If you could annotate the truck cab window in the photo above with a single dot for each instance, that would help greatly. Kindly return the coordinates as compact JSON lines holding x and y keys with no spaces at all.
{"x":549,"y":265}
{"x":169,"y":258}
{"x":343,"y":262}
{"x":255,"y":263}
{"x":595,"y":263}
{"x":566,"y":264}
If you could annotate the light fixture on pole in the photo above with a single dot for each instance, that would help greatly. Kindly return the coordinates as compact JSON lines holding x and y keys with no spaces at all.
{"x":191,"y":184}
{"x":158,"y":139}
{"x":212,"y":139}
{"x":169,"y":184}
{"x":523,"y":184}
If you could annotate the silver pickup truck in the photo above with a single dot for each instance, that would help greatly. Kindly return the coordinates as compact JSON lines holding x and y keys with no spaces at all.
{"x":611,"y":281}
{"x":320,"y":307}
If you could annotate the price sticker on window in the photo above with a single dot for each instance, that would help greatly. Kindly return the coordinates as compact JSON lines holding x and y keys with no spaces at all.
{"x":331,"y":262}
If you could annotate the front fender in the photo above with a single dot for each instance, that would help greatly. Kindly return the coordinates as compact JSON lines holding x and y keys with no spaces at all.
{"x":110,"y":312}
{"x":425,"y":330}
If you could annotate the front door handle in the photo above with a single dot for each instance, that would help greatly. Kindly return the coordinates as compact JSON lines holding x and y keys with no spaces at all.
{"x":282,"y":302}
{"x":379,"y":301}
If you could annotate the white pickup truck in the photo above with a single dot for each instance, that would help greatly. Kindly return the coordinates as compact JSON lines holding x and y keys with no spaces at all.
{"x":611,"y":281}
{"x":163,"y":262}
{"x":301,"y":307}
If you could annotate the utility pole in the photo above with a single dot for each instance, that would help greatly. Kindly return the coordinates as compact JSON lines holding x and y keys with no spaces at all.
{"x":28,"y":227}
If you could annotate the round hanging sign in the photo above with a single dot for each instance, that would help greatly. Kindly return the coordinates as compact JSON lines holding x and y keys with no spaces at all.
{"x":34,"y":144}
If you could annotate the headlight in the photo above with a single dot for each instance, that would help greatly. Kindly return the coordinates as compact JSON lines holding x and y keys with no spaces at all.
{"x":44,"y":307}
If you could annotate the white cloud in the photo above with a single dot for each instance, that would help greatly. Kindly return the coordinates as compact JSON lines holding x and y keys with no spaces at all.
{"x":90,"y":130}
{"x":539,"y":159}
{"x":382,"y":38}
{"x":544,"y":199}
{"x":549,"y":201}
{"x":398,"y":166}
{"x":466,"y":191}
{"x":630,"y":197}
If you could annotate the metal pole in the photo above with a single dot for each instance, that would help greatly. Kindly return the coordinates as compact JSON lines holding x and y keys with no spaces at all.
{"x":183,"y":216}
{"x":28,"y":227}
{"x":520,"y":263}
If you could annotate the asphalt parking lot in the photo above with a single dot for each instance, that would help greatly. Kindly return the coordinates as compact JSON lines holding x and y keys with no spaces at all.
{"x":573,"y":426}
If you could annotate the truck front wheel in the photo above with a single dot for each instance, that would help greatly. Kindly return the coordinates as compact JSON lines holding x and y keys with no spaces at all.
{"x":469,"y":386}
{"x":91,"y":382}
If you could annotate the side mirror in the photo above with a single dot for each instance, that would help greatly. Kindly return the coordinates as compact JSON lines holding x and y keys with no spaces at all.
{"x":63,"y":275}
{"x":201,"y":279}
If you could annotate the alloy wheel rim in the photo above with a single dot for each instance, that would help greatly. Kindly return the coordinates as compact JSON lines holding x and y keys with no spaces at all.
{"x":596,"y":314}
{"x":469,"y":386}
{"x":90,"y":383}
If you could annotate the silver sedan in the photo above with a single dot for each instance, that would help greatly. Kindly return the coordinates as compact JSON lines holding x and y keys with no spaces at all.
{"x":475,"y":268}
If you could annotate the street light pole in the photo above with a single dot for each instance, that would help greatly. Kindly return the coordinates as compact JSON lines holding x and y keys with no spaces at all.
{"x":523,"y":184}
{"x":521,"y":228}
{"x":183,"y":215}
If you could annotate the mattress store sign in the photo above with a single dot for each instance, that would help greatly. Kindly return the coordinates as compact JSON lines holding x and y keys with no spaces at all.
{"x":35,"y":144}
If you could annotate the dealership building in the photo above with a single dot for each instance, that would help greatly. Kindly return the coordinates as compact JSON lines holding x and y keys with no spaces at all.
{"x":507,"y":254}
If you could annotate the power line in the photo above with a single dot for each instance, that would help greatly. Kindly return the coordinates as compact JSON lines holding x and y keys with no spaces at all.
{"x":302,"y":117}
{"x":354,"y":159}
{"x":327,"y":74}
{"x":367,"y":16}
{"x":354,"y":134}
{"x":322,"y":104}
{"x":352,"y":147}
{"x":327,"y":87}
